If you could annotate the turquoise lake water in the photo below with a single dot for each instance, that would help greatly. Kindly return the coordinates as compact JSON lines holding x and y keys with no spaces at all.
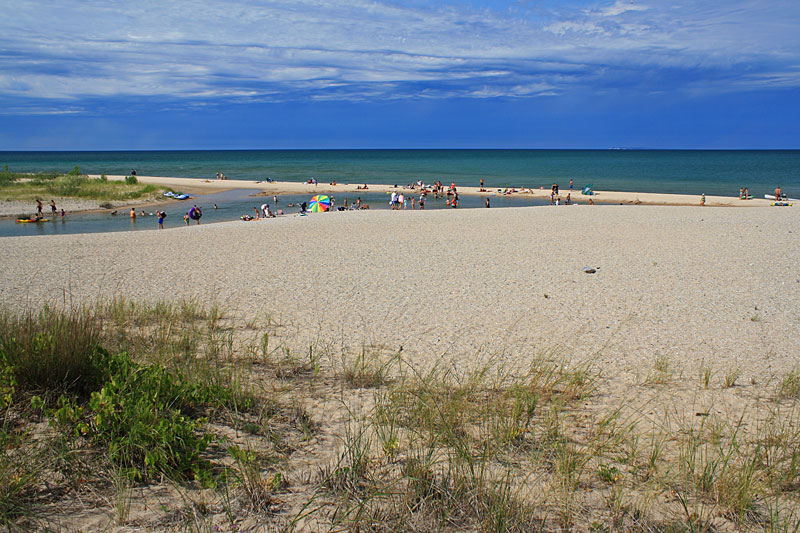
{"x":712,"y":172}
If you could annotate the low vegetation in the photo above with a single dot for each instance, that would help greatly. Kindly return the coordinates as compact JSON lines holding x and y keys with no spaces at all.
{"x":28,"y":187}
{"x":233,"y":429}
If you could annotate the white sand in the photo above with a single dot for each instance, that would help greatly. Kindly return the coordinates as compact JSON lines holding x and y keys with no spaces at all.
{"x":201,"y":186}
{"x":693,"y":284}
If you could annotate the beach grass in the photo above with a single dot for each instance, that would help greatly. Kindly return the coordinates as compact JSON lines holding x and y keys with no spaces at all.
{"x":16,"y":186}
{"x":102,"y":404}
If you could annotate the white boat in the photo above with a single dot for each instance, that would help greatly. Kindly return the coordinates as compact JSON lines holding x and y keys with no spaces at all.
{"x":783,"y":198}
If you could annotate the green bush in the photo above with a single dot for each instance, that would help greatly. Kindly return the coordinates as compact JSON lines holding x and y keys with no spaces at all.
{"x":143,"y":414}
{"x":103,"y":178}
{"x":131,"y":180}
{"x":76,"y":171}
{"x":146,"y":417}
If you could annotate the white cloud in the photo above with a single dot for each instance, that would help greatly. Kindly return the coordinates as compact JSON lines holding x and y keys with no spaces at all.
{"x":359,"y":49}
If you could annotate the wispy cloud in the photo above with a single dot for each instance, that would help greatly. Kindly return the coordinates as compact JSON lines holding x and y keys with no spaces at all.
{"x":204,"y":51}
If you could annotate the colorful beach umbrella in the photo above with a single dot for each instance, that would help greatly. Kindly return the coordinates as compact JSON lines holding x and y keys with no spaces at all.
{"x":319,"y":203}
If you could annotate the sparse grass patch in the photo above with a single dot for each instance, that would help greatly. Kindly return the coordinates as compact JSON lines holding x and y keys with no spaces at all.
{"x":662,"y":371}
{"x":789,"y":386}
{"x":705,"y":375}
{"x":732,"y":375}
{"x":367,"y":369}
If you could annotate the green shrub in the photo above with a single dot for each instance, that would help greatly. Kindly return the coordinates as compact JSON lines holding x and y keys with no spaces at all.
{"x":131,"y":180}
{"x":103,"y":178}
{"x":144,"y":416}
{"x":76,"y":171}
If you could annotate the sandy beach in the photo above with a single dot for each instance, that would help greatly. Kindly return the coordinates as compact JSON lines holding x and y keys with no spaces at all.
{"x":676,"y":293}
{"x":712,"y":286}
{"x":204,"y":186}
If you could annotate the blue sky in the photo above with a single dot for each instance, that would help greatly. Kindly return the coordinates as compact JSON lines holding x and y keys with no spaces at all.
{"x":204,"y":74}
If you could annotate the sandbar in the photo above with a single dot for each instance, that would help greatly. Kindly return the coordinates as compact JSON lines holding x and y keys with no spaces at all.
{"x":206,"y":186}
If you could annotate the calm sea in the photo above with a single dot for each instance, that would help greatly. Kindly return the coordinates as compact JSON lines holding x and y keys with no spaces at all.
{"x":672,"y":171}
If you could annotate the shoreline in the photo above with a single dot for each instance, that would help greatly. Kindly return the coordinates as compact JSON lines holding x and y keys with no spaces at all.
{"x":201,"y":187}
{"x":206,"y":186}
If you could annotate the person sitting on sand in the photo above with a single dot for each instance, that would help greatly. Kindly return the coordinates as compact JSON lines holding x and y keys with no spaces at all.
{"x":591,"y":202}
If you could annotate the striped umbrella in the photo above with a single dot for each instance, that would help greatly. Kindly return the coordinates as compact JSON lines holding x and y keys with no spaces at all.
{"x":319,"y":203}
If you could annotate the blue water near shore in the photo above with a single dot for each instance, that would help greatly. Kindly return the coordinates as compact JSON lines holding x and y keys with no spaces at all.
{"x":712,"y":172}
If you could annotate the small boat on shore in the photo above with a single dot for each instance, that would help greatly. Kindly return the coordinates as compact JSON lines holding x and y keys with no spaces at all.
{"x":783,"y":198}
{"x":30,"y":220}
